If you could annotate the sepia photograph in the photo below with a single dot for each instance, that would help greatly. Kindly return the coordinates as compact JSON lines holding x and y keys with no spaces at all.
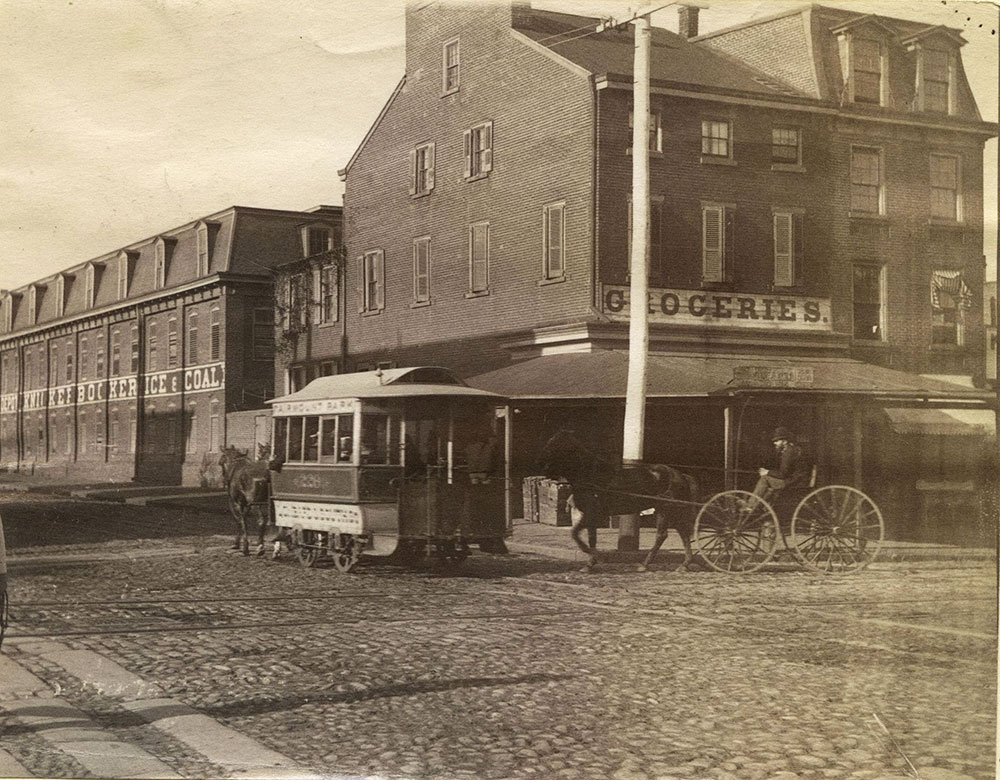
{"x":499,"y":389}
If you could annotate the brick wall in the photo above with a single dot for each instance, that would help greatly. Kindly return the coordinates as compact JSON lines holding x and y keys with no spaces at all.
{"x":542,"y":153}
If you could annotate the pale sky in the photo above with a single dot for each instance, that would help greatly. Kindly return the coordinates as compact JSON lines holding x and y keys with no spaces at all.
{"x":124,"y":118}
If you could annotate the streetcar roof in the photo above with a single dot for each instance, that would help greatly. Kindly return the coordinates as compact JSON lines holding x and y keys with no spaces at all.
{"x":425,"y":381}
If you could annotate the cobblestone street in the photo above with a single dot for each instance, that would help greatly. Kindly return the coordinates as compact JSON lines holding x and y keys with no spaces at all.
{"x":513,"y":666}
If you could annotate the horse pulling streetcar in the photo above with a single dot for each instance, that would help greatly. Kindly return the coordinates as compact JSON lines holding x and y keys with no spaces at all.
{"x":832,"y":529}
{"x":403,"y":461}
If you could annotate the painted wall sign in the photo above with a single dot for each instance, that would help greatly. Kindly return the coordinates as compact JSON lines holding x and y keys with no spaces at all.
{"x":8,"y":402}
{"x":724,"y":309}
{"x":774,"y":376}
{"x":188,"y":380}
{"x":317,"y":406}
{"x":342,"y":518}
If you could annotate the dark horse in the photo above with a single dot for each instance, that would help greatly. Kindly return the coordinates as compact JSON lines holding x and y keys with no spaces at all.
{"x":600,"y":488}
{"x":242,"y":478}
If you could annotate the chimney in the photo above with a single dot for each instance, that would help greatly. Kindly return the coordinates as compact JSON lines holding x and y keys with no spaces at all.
{"x":520,"y":13}
{"x":687,"y":16}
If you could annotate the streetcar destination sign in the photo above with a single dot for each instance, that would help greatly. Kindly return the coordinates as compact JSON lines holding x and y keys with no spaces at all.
{"x":723,"y":309}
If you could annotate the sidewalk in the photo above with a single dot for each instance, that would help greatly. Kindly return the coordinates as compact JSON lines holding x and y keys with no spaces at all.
{"x":556,"y":542}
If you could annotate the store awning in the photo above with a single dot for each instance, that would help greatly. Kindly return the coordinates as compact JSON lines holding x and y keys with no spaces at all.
{"x":602,"y":374}
{"x":942,"y":422}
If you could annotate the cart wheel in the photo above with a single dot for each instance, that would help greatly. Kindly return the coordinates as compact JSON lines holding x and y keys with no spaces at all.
{"x":345,"y":557}
{"x":836,"y":529}
{"x":735,"y":532}
{"x":309,"y":549}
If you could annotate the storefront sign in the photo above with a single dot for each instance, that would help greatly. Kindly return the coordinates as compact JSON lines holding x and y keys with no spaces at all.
{"x":724,"y":309}
{"x":774,"y":376}
{"x":8,"y":403}
{"x":34,"y":399}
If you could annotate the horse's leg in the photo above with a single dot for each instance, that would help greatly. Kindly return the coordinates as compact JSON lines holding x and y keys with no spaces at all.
{"x":587,"y":520}
{"x":662,"y":529}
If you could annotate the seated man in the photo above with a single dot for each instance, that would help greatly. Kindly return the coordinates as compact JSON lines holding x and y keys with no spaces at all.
{"x":791,"y":469}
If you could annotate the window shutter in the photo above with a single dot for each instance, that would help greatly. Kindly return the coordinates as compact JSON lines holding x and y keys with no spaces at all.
{"x":798,"y":244}
{"x":430,"y":167}
{"x":380,"y":280}
{"x":712,"y":248}
{"x":413,"y":171}
{"x":467,"y":170}
{"x":317,"y":296}
{"x":784,"y":275}
{"x":362,"y":262}
{"x":488,"y":147}
{"x":728,"y":241}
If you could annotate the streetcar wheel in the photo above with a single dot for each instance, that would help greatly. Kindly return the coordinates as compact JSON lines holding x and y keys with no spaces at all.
{"x":451,"y":554}
{"x":310,"y":550}
{"x":345,"y":557}
{"x":836,"y":529}
{"x":736,"y":532}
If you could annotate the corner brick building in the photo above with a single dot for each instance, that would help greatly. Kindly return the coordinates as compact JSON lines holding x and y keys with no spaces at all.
{"x":125,"y":366}
{"x":816,"y":238}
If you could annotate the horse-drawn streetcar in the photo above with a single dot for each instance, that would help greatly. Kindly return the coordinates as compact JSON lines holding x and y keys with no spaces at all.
{"x":406,"y":461}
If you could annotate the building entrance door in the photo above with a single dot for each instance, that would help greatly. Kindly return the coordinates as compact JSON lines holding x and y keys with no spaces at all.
{"x":159,"y":453}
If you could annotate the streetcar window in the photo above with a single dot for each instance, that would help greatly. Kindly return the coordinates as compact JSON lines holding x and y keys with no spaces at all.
{"x":379,"y":439}
{"x":280,"y":437}
{"x":345,"y":437}
{"x":328,"y":439}
{"x":312,"y":439}
{"x":295,"y":438}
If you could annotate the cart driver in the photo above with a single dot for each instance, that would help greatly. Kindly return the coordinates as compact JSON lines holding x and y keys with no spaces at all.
{"x":791,"y":468}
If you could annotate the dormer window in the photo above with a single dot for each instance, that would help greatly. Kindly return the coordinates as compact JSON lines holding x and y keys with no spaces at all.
{"x":60,"y":295}
{"x":161,"y":261}
{"x":125,"y":260}
{"x":866,"y":71}
{"x":935,"y":65}
{"x":202,"y":249}
{"x":32,"y":305}
{"x":450,"y":68}
{"x":206,"y":233}
{"x":8,"y":312}
{"x":89,"y":280}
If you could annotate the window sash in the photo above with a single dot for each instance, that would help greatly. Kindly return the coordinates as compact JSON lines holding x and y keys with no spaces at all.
{"x":450,"y":75}
{"x":867,"y":302}
{"x":421,"y":270}
{"x":328,"y":293}
{"x":866,"y":181}
{"x":372,"y":288}
{"x":215,"y":335}
{"x":479,"y":254}
{"x":785,"y":145}
{"x":715,"y":138}
{"x":555,"y":240}
{"x":263,"y":334}
{"x":867,"y":71}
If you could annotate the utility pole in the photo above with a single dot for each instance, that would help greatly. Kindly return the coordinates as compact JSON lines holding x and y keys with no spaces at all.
{"x":638,"y":332}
